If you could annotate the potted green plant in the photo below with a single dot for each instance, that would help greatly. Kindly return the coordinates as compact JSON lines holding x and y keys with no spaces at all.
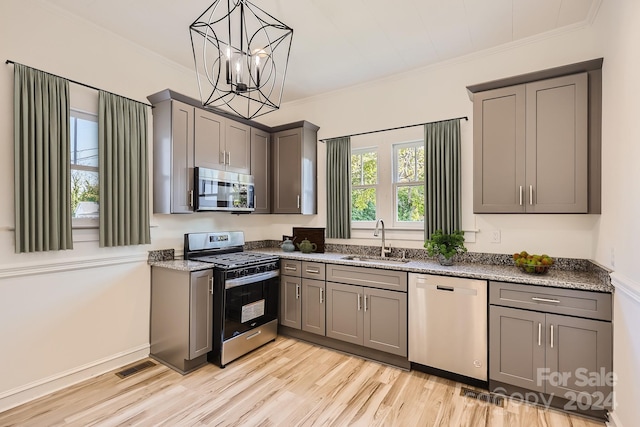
{"x":445,"y":246}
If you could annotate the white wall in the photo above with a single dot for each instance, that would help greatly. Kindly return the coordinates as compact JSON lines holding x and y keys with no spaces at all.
{"x":71,"y":314}
{"x":49,"y":320}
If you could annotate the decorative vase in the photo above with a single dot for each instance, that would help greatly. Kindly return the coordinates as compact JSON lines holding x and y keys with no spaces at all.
{"x":445,"y":261}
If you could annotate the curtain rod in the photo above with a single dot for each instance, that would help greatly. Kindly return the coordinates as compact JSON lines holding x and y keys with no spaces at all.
{"x":8,"y":61}
{"x":399,"y":127}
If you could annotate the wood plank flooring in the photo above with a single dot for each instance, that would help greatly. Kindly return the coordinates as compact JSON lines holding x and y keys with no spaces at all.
{"x":285,"y":383}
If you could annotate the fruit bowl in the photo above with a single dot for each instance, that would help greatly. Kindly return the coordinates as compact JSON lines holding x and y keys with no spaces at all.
{"x":533,"y":264}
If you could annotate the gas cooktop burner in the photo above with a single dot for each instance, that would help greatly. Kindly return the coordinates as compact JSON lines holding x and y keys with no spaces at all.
{"x":236,"y":259}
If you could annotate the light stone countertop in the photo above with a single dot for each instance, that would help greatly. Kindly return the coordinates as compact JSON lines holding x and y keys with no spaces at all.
{"x":582,"y":280}
{"x":181,"y":265}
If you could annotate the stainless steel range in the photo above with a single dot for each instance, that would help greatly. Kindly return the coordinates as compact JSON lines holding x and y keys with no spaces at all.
{"x":245,"y":293}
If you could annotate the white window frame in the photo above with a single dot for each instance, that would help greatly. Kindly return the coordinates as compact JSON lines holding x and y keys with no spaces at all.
{"x":84,"y":222}
{"x":395,"y":185}
{"x":376,"y":186}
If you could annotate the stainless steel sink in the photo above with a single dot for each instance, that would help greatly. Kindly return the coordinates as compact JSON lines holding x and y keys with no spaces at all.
{"x":378,"y":260}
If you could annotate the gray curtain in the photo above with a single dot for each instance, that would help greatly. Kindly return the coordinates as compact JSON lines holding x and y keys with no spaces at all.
{"x":339,"y":188}
{"x":42,"y":181}
{"x":124,"y":171}
{"x":442,"y":187}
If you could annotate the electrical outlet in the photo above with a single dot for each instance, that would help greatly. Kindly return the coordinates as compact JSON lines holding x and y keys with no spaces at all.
{"x":495,"y":236}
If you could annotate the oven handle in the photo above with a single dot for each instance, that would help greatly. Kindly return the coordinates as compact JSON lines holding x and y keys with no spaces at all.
{"x":251,"y":279}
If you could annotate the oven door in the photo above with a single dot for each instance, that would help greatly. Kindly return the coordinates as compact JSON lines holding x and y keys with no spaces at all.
{"x":250,"y":301}
{"x":223,"y":191}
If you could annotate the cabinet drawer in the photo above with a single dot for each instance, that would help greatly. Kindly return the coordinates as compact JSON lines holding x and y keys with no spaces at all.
{"x":572,"y":302}
{"x":290,"y":268}
{"x":371,"y":277}
{"x":313,"y":270}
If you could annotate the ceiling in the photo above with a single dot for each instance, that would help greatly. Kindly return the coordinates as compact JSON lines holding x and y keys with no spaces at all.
{"x":339,"y":43}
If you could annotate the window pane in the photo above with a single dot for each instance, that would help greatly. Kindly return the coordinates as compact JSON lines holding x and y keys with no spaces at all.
{"x":84,"y":194}
{"x":406,"y":164}
{"x":370,"y":168}
{"x":356,"y":169}
{"x":363,"y":204}
{"x":420,"y":162}
{"x":410,"y":203}
{"x":84,"y":142}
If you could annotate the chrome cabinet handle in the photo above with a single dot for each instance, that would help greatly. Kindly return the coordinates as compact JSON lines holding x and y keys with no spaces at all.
{"x":313,"y":271}
{"x":229,"y":157}
{"x":321,"y":296}
{"x":297,"y":291}
{"x":211,"y":288}
{"x":531,"y":194}
{"x":521,"y":195}
{"x":555,"y":301}
{"x":190,"y":195}
{"x":222,"y":154}
{"x":539,"y":334}
{"x":286,"y":267}
{"x":298,"y":201}
{"x":358,"y":302}
{"x":365,"y":303}
{"x":551,"y":336}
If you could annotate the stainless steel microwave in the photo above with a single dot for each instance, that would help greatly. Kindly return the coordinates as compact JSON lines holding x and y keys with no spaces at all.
{"x":223,"y":191}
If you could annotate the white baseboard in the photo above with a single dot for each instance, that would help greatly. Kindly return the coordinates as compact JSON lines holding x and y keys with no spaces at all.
{"x":614,"y":421}
{"x":36,"y":389}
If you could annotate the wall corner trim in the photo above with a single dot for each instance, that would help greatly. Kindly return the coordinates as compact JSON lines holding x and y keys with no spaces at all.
{"x":626,"y":285}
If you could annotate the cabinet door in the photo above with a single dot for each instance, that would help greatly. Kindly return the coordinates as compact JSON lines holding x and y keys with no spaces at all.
{"x":287,"y":171}
{"x":200,"y":313}
{"x":517,"y":347}
{"x":499,"y":150}
{"x":345,"y":319}
{"x":557,"y":145}
{"x":182,"y":158}
{"x":261,"y":170}
{"x":238,"y":147}
{"x":385,"y":321}
{"x":209,"y":140}
{"x":290,"y":302}
{"x":313,"y":306}
{"x":579,"y":359}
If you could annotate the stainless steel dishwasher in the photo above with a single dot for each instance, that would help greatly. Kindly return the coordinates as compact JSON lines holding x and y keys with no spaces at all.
{"x":448,"y":324}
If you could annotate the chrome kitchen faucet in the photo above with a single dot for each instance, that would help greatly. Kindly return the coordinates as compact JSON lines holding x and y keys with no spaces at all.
{"x":384,"y":250}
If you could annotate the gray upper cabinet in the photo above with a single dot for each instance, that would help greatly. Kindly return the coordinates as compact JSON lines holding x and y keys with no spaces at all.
{"x":173,"y":157}
{"x":221,"y":143}
{"x":294,"y":169}
{"x":261,"y":170}
{"x":557,"y":145}
{"x":537,"y":143}
{"x":209,"y":139}
{"x":237,"y":148}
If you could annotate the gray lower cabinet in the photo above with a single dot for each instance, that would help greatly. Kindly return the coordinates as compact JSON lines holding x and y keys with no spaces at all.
{"x":181,"y":317}
{"x":302,"y":300}
{"x":374,"y":318}
{"x":294,"y":169}
{"x":290,"y":302}
{"x":313,"y":306}
{"x":566,"y":356}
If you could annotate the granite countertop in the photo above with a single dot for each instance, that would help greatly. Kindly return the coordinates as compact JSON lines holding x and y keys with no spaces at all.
{"x":181,"y":265}
{"x":582,"y":280}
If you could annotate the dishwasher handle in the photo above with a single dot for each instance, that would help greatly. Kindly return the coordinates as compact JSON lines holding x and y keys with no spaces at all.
{"x":445,"y":288}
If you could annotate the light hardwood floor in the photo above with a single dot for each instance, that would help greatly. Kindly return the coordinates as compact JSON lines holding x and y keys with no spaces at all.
{"x":285,"y":383}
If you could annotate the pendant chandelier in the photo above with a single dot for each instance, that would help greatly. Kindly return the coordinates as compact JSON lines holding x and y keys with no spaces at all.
{"x":241,"y":54}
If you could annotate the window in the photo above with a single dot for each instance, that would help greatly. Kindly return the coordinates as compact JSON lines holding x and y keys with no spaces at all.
{"x":84,"y":167}
{"x":408,"y":183}
{"x":364,"y":182}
